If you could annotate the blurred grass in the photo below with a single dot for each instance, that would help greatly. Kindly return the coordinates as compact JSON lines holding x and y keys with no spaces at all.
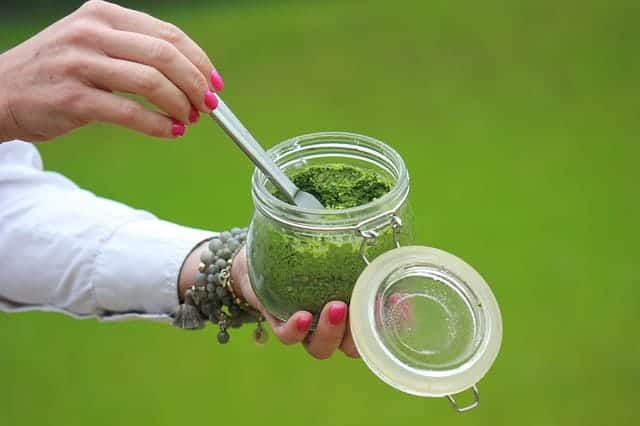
{"x":518,"y":122}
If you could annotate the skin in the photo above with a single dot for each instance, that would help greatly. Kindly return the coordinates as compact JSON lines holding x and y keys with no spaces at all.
{"x":321,"y":344}
{"x":70,"y":74}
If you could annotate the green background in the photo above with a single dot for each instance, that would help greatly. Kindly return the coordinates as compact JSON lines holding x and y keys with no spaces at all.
{"x":519,"y":123}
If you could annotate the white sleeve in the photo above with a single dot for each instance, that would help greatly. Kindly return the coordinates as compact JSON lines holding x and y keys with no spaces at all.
{"x":64,"y":249}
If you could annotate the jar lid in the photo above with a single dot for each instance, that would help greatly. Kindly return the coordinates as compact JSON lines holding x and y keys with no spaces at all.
{"x":425,"y":322}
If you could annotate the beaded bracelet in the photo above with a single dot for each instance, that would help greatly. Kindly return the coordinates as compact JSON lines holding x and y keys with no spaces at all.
{"x":212,"y":296}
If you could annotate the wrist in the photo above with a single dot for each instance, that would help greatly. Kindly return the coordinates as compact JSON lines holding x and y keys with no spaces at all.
{"x":238,"y":272}
{"x":6,"y":118}
{"x":189,"y":270}
{"x":216,"y":293}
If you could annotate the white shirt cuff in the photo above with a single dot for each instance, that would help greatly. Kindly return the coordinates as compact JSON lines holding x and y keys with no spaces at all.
{"x":136,"y":270}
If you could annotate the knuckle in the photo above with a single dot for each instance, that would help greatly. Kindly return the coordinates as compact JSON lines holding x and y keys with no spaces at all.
{"x":147,"y":80}
{"x":128,"y":112}
{"x":198,"y":84}
{"x":74,"y":65}
{"x":158,"y":129}
{"x":171,"y":33}
{"x":203,"y":63}
{"x":160,"y":51}
{"x":94,"y":7}
{"x":81,"y":31}
{"x":74,"y":101}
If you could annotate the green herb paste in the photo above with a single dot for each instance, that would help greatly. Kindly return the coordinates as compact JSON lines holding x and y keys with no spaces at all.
{"x":294,"y":270}
{"x":340,"y":186}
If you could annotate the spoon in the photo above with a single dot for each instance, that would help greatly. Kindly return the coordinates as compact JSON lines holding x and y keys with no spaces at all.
{"x":248,"y":144}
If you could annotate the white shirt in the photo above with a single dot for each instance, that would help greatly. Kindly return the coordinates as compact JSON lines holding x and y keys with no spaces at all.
{"x":64,"y":249}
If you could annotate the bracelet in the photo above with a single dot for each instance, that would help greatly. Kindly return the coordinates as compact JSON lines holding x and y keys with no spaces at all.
{"x":212,"y":297}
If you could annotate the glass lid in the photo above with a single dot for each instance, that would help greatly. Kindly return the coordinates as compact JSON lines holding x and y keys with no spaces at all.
{"x":425,"y":322}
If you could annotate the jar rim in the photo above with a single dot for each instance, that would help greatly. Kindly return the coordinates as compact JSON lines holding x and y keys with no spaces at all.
{"x":264,"y":199}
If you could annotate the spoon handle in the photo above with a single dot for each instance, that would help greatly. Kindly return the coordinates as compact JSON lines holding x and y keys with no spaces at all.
{"x":248,"y":144}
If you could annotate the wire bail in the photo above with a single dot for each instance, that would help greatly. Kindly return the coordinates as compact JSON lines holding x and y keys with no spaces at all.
{"x":370,"y":236}
{"x":474,"y":404}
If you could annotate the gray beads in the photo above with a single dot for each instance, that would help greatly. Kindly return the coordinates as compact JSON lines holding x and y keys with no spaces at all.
{"x":223,"y":337}
{"x":215,"y":244}
{"x":233,"y":245}
{"x":221,"y":292}
{"x":206,"y":257}
{"x":210,"y":299}
{"x":201,"y":279}
{"x":234,"y":310}
{"x":220,"y":265}
{"x":224,"y":253}
{"x":207,"y":309}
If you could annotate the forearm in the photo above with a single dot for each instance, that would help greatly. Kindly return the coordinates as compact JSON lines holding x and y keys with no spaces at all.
{"x":7,"y":123}
{"x":65,"y":249}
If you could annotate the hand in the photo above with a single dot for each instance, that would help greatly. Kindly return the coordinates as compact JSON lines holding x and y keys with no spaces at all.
{"x":332,"y":331}
{"x":66,"y":76}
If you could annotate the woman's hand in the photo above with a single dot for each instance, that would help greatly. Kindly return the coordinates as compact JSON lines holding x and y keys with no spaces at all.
{"x":66,"y":76}
{"x":332,"y":331}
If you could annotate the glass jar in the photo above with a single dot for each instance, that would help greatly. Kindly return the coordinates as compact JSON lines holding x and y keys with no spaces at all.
{"x":423,"y":320}
{"x":300,"y":259}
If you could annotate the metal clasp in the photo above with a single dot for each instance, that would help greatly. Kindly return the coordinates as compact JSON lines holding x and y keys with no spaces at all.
{"x":370,"y":236}
{"x":474,"y":404}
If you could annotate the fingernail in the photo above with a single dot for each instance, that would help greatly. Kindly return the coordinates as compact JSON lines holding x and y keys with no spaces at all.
{"x":304,"y":323}
{"x":177,"y":128}
{"x":210,"y":100}
{"x":216,"y":81}
{"x":194,"y":115}
{"x":337,"y":314}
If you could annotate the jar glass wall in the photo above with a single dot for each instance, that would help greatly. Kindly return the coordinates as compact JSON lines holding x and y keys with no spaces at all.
{"x":300,"y":259}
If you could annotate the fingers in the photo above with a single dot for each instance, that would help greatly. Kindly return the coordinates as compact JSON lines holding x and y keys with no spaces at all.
{"x":347,"y":346}
{"x":166,"y":59}
{"x":332,"y":331}
{"x":130,"y":77}
{"x":294,"y":330}
{"x":329,"y":332}
{"x":109,"y":108}
{"x":133,"y":21}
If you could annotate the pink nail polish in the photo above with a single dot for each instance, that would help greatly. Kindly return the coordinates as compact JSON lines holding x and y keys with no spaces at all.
{"x":216,"y":81}
{"x":177,"y":128}
{"x":210,"y":100}
{"x":304,"y":323}
{"x":337,"y":314}
{"x":194,"y":115}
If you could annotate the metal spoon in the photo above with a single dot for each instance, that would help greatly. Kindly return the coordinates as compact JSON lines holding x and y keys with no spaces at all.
{"x":248,"y":144}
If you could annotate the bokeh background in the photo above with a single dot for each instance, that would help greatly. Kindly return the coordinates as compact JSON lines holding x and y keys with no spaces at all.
{"x":519,"y":122}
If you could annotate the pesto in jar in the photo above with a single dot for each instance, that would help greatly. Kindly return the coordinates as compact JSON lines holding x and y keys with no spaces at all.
{"x":340,"y":186}
{"x":294,"y":270}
